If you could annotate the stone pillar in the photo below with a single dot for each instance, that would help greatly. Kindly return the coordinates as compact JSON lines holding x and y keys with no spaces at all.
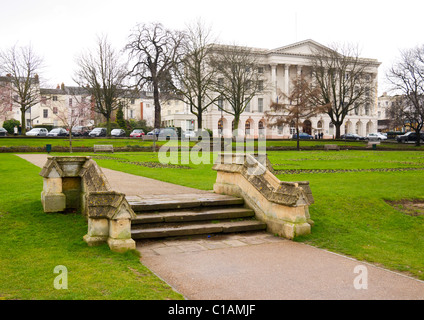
{"x":274,"y":81}
{"x":98,"y":231}
{"x":52,"y":197}
{"x":299,"y":71}
{"x":286,"y":80}
{"x":120,"y":229}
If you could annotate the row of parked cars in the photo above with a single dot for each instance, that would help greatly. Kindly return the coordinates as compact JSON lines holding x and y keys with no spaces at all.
{"x":81,"y":131}
{"x":372,"y":136}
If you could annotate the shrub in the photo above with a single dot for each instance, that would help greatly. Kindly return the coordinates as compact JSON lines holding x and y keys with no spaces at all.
{"x":10,"y":124}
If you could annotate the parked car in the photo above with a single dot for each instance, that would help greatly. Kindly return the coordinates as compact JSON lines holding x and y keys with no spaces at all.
{"x":168,"y":133}
{"x":79,"y":131}
{"x":137,"y":133}
{"x":118,"y":133}
{"x":189,"y":134}
{"x":375,"y":136}
{"x":352,"y":136}
{"x":58,"y":132}
{"x":37,"y":132}
{"x":409,"y":136}
{"x":3,"y":132}
{"x":303,"y":135}
{"x":98,"y":132}
{"x":153,"y":132}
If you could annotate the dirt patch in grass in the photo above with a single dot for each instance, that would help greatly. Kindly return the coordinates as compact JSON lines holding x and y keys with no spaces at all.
{"x":412,"y":207}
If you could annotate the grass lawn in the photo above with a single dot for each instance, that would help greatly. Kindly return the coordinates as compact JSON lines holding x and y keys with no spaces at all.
{"x":34,"y":243}
{"x":351,"y":215}
{"x":350,"y":212}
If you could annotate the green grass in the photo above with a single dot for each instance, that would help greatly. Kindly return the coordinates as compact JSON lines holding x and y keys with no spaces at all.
{"x":350,"y":212}
{"x":76,"y":142}
{"x":33,"y":243}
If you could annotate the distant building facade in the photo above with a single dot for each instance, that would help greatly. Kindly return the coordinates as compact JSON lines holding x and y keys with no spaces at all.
{"x":279,"y":67}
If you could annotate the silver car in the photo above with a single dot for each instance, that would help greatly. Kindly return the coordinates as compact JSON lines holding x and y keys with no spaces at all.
{"x":37,"y":132}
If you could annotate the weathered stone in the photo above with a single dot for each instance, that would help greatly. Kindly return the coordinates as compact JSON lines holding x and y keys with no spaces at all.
{"x":121,"y":245}
{"x":283,"y":206}
{"x":53,"y":202}
{"x":77,"y":182}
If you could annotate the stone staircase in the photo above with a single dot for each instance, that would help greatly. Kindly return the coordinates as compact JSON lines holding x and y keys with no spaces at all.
{"x":190,"y":214}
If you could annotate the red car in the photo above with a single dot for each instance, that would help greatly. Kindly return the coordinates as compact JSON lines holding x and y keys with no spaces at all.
{"x":137,"y":133}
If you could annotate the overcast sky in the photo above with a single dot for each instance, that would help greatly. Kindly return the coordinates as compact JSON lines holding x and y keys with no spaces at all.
{"x":60,"y":30}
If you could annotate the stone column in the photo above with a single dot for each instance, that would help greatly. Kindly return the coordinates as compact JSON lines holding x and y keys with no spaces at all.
{"x":52,"y":197}
{"x":274,"y":81}
{"x":286,"y":80}
{"x":299,"y":71}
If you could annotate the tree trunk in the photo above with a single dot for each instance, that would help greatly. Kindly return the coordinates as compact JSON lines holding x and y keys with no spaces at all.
{"x":23,"y":124}
{"x":199,"y":121}
{"x":418,"y":133}
{"x":338,"y":127}
{"x":236,"y":125}
{"x":108,"y":126}
{"x":70,"y":141}
{"x":157,"y":106}
{"x":297,"y":139}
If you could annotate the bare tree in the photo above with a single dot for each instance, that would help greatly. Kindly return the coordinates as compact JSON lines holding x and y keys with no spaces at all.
{"x":300,"y":105}
{"x":103,"y":75}
{"x":22,"y":66}
{"x":6,"y":105}
{"x":345,"y":80}
{"x":195,"y":76}
{"x":237,"y":79}
{"x":407,"y":79}
{"x":154,"y":50}
{"x":78,"y":109}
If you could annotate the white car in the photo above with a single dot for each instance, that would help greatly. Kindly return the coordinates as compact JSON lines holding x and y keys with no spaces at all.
{"x":189,"y":134}
{"x":376,"y":136}
{"x":38,"y":132}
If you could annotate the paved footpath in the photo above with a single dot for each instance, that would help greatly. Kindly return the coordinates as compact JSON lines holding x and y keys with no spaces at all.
{"x":255,"y":266}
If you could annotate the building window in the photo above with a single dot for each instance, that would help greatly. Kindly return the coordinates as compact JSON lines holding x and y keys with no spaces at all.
{"x":367,"y":109}
{"x":54,"y":110}
{"x":260,"y":85}
{"x":70,"y":102}
{"x":54,"y":98}
{"x":260,"y":104}
{"x":220,"y":103}
{"x":247,"y":109}
{"x":132,"y":101}
{"x":260,"y":69}
{"x":45,"y":113}
{"x":131,"y":114}
{"x":280,"y":129}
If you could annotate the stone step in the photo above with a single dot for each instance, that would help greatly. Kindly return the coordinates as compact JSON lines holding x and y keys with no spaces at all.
{"x":198,"y":214}
{"x":185,"y":229}
{"x":180,"y":201}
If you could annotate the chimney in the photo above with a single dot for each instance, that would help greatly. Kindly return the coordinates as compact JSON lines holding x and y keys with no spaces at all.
{"x":57,"y":87}
{"x":62,"y":86}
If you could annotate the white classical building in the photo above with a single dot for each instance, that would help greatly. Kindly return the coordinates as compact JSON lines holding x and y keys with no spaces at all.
{"x":279,"y":67}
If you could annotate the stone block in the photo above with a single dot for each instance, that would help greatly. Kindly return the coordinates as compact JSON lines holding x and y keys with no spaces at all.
{"x":120,"y":229}
{"x":52,"y":185}
{"x":121,"y":245}
{"x":98,"y":228}
{"x":53,"y":202}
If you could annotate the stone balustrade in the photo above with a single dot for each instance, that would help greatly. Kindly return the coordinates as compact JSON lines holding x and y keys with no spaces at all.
{"x":71,"y":183}
{"x":283,"y":206}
